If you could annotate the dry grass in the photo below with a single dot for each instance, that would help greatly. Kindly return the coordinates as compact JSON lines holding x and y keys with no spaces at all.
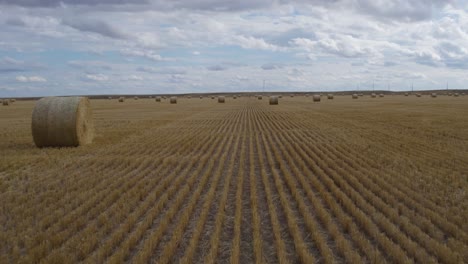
{"x":343,"y":181}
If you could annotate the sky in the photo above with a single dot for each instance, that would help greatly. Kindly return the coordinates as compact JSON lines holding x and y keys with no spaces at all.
{"x":86,"y":47}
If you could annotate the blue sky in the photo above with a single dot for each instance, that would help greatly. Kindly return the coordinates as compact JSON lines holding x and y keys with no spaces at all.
{"x":74,"y":47}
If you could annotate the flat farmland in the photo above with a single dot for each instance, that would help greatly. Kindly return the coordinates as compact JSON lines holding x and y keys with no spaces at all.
{"x":371,"y":180}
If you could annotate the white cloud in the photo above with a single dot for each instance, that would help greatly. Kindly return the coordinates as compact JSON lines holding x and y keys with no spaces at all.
{"x":96,"y":77}
{"x":30,"y":79}
{"x":148,"y":54}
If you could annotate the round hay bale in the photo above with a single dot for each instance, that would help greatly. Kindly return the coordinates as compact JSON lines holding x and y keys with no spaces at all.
{"x":449,"y":94}
{"x":12,"y":100}
{"x":273,"y":100}
{"x":316,"y":98}
{"x":234,"y":97}
{"x":201,"y":97}
{"x":259,"y":97}
{"x":164,"y":97}
{"x":62,"y":122}
{"x":373,"y":95}
{"x":433,"y":95}
{"x":280,"y":96}
{"x":221,"y":99}
{"x":110,"y":97}
{"x":292,"y":95}
{"x":381,"y":95}
{"x":158,"y":99}
{"x":418,"y":95}
{"x":456,"y":94}
{"x":6,"y":102}
{"x":361,"y":95}
{"x":121,"y":99}
{"x":406,"y":94}
{"x":355,"y":96}
{"x":330,"y":96}
{"x":212,"y":97}
{"x":173,"y":100}
{"x":135,"y":98}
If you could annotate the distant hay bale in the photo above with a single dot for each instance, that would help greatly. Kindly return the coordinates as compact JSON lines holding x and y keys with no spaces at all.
{"x":361,"y":95}
{"x":201,"y":97}
{"x":292,"y":95}
{"x":406,"y":94}
{"x":6,"y":102}
{"x":110,"y":97}
{"x":355,"y":96}
{"x":164,"y":97}
{"x":221,"y":99}
{"x":330,"y":96}
{"x":456,"y":94}
{"x":273,"y":100}
{"x":234,"y":97}
{"x":418,"y":95}
{"x":173,"y":100}
{"x":212,"y":97}
{"x":62,"y":122}
{"x":158,"y":99}
{"x":433,"y":95}
{"x":121,"y":99}
{"x":280,"y":96}
{"x":136,"y":97}
{"x":449,"y":94}
{"x":259,"y":97}
{"x":373,"y":95}
{"x":381,"y":95}
{"x":12,"y":100}
{"x":316,"y":98}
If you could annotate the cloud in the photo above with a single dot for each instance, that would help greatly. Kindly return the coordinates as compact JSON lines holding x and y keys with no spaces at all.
{"x":249,"y":42}
{"x":148,"y":54}
{"x":170,"y":70}
{"x":217,"y":68}
{"x":95,"y":26}
{"x":25,"y":79}
{"x":271,"y":66}
{"x":96,"y":77}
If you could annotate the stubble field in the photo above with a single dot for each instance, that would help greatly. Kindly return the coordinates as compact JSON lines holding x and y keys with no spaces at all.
{"x":371,"y":180}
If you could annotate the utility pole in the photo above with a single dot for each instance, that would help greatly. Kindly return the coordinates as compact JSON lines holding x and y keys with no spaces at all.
{"x":412,"y":89}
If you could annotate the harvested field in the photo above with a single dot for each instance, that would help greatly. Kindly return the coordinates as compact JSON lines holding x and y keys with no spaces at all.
{"x":346,"y":181}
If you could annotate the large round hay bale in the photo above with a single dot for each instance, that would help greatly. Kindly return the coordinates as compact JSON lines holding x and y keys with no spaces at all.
{"x":355,"y":96}
{"x":316,"y":98}
{"x":433,"y":95}
{"x":418,"y":95}
{"x":330,"y":96}
{"x":221,"y":99}
{"x":158,"y":99}
{"x":201,"y":97}
{"x":381,"y":95}
{"x":62,"y":122}
{"x":373,"y":95}
{"x":456,"y":94}
{"x":234,"y":97}
{"x":12,"y":100}
{"x":259,"y":97}
{"x":173,"y":100}
{"x":6,"y":102}
{"x":121,"y":99}
{"x":273,"y":100}
{"x":110,"y":98}
{"x":406,"y":94}
{"x":212,"y":97}
{"x":135,"y":98}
